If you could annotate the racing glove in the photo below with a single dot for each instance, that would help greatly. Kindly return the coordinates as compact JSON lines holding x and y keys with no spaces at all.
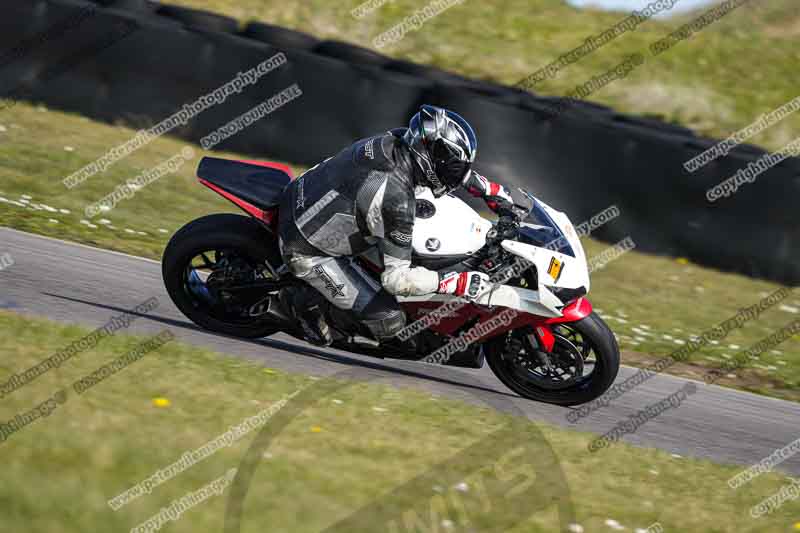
{"x":496,"y":196}
{"x":469,"y":285}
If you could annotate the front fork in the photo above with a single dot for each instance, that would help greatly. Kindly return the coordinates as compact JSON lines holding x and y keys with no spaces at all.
{"x":572,"y":312}
{"x":542,"y":337}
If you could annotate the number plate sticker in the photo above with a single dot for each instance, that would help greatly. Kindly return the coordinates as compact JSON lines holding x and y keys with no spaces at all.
{"x":555,"y":268}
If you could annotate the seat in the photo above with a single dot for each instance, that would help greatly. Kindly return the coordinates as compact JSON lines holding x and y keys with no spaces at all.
{"x":259,"y":185}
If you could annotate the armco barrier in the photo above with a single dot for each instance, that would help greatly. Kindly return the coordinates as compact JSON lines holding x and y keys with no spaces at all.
{"x":582,"y":161}
{"x":279,"y":37}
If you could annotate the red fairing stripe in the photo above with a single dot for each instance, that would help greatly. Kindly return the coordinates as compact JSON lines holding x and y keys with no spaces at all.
{"x":580,"y":308}
{"x":260,"y":214}
{"x":573,"y":312}
{"x":279,"y":166}
{"x":494,"y":188}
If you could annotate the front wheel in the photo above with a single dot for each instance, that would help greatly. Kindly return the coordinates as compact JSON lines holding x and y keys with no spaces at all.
{"x":582,"y":366}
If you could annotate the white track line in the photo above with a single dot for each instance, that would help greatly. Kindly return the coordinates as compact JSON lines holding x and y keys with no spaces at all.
{"x":71,"y":243}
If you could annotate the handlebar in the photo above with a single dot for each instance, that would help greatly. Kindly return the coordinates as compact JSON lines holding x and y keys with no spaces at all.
{"x":507,"y":227}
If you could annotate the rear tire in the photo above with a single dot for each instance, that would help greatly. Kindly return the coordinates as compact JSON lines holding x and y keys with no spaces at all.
{"x":606,"y":351}
{"x":230,"y":231}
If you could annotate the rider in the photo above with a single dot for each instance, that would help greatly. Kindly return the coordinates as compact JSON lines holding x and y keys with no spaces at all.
{"x":365,"y":196}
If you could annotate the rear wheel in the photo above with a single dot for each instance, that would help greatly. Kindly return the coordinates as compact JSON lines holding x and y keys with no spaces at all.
{"x":582,"y":366}
{"x":216,"y":270}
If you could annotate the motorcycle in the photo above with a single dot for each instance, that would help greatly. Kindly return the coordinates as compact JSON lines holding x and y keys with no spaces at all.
{"x":535,"y":327}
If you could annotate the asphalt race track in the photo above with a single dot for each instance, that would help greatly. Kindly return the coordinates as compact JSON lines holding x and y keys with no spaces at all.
{"x":73,"y":283}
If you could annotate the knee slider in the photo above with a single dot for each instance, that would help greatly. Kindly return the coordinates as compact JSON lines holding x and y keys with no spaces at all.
{"x":387,"y":324}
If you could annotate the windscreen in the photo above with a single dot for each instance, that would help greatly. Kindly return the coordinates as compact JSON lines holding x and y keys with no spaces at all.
{"x":539,"y":229}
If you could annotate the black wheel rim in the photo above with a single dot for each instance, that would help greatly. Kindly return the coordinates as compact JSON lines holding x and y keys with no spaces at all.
{"x":571,"y":364}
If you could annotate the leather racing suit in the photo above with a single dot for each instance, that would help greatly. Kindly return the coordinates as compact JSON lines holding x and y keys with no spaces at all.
{"x":362,"y":197}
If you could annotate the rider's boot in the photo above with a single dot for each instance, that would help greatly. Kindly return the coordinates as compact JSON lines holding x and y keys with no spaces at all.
{"x":307,"y":306}
{"x":315,"y":326}
{"x":385,"y":324}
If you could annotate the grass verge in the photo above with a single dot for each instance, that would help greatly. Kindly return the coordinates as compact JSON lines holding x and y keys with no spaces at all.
{"x":652,"y":303}
{"x":334,"y":456}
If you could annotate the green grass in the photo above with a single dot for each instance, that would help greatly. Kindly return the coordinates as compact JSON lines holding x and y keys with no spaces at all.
{"x":670,"y":297}
{"x":717,"y":82}
{"x":336,"y":454}
{"x":34,"y":163}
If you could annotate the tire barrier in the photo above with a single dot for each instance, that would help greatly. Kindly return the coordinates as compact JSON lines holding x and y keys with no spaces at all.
{"x":582,"y":160}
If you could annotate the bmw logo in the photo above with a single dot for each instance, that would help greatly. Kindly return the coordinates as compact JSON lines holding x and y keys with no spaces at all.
{"x":432,"y":244}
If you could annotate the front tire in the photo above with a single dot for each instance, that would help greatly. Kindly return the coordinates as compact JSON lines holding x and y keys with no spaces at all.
{"x":236,"y":235}
{"x":589,"y":338}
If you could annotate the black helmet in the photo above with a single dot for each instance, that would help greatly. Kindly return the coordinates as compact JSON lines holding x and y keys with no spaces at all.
{"x":443,"y":145}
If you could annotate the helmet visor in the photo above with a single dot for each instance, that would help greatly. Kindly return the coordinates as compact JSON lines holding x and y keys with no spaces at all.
{"x":451,"y":165}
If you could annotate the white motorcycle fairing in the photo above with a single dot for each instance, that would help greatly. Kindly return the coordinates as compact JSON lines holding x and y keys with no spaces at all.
{"x":456,"y":229}
{"x":570,"y":271}
{"x":453,"y":229}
